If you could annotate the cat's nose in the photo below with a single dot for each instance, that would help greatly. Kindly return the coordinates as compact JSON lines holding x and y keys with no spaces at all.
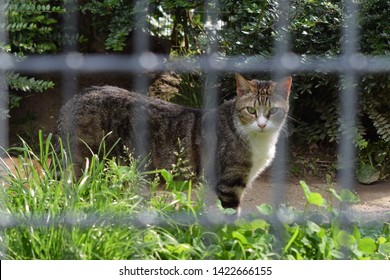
{"x":262,"y":122}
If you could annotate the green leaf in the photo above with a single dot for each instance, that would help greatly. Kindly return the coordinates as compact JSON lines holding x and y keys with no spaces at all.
{"x":240,"y":237}
{"x":316,"y":199}
{"x":384,"y":249}
{"x":381,"y":240}
{"x":356,"y":233}
{"x":168,"y":177}
{"x":229,"y":211}
{"x":348,"y":196}
{"x":259,"y":224}
{"x":345,"y":196}
{"x":312,"y":227}
{"x":305,"y":188}
{"x":386,"y":229}
{"x":335,"y":194}
{"x":179,"y":248}
{"x":265,"y":209}
{"x":150,"y":238}
{"x":312,"y":197}
{"x":337,"y":254}
{"x":367,"y":245}
{"x":292,"y":239}
{"x":252,"y":225}
{"x":345,"y":239}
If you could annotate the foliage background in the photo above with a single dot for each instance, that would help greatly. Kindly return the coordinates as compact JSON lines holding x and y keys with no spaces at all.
{"x":244,"y":28}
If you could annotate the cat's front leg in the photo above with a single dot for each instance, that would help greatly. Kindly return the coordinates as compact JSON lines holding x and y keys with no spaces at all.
{"x":229,"y":193}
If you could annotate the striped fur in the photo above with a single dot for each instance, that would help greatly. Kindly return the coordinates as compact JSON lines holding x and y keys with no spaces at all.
{"x":245,"y":133}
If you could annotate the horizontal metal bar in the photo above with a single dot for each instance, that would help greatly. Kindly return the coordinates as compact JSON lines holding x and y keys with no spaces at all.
{"x":148,"y":62}
{"x":147,"y":219}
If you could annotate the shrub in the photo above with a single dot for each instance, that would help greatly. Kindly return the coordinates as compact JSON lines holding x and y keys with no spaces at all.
{"x":33,"y":28}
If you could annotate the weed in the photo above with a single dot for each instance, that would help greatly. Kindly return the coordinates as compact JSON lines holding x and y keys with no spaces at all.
{"x":336,"y":239}
{"x":118,"y":212}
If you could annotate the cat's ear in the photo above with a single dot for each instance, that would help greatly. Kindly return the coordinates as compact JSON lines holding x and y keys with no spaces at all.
{"x":243,"y":86}
{"x":284,"y":87}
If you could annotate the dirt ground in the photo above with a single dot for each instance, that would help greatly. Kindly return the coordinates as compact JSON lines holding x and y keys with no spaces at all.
{"x":40,"y":111}
{"x":374,"y":201}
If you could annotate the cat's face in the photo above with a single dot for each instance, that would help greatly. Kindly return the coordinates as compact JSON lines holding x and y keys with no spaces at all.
{"x":262,"y":106}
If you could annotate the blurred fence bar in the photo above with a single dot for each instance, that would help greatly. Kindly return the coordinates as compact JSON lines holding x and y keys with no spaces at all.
{"x":282,"y":48}
{"x":3,"y":83}
{"x":95,"y":63}
{"x":349,"y":97}
{"x":210,"y":97}
{"x":145,"y":58}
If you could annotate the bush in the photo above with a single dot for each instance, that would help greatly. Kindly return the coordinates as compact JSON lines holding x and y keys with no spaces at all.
{"x":114,"y":18}
{"x":317,"y":103}
{"x":33,"y":28}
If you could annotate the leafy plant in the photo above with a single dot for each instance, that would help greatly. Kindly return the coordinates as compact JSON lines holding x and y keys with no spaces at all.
{"x":33,"y":28}
{"x":375,"y":35}
{"x":190,"y":90}
{"x":117,"y":212}
{"x":249,"y":28}
{"x":317,"y":108}
{"x":178,"y":21}
{"x":112,"y":17}
{"x":312,"y":240}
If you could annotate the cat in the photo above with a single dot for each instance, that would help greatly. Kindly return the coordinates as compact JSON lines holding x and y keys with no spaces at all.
{"x":245,"y":132}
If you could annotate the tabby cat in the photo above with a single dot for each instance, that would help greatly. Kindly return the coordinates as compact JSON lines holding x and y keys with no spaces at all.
{"x":245,"y":132}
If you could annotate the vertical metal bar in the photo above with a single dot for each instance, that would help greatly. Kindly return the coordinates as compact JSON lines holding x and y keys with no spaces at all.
{"x":279,"y":166}
{"x":73,"y":60}
{"x":282,"y":47}
{"x":4,"y":109}
{"x":145,"y":58}
{"x":69,"y":86}
{"x":3,"y":114}
{"x":210,"y":99}
{"x":349,"y":97}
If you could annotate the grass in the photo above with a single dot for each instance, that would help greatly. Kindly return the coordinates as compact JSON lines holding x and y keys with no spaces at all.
{"x":118,"y":212}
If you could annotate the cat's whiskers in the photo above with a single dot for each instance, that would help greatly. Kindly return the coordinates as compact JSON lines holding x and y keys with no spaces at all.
{"x":284,"y":131}
{"x":291,"y":118}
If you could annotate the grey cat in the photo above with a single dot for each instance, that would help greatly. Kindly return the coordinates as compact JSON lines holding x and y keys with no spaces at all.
{"x":244,"y":135}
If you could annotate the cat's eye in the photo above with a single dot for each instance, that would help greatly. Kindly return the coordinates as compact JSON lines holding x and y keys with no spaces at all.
{"x":251,"y":110}
{"x":273,"y":110}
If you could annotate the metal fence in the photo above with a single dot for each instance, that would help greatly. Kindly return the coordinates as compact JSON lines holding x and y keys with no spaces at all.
{"x":348,"y":65}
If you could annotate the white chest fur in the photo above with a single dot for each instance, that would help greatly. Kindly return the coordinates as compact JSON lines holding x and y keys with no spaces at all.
{"x":263,"y":151}
{"x":262,"y":145}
